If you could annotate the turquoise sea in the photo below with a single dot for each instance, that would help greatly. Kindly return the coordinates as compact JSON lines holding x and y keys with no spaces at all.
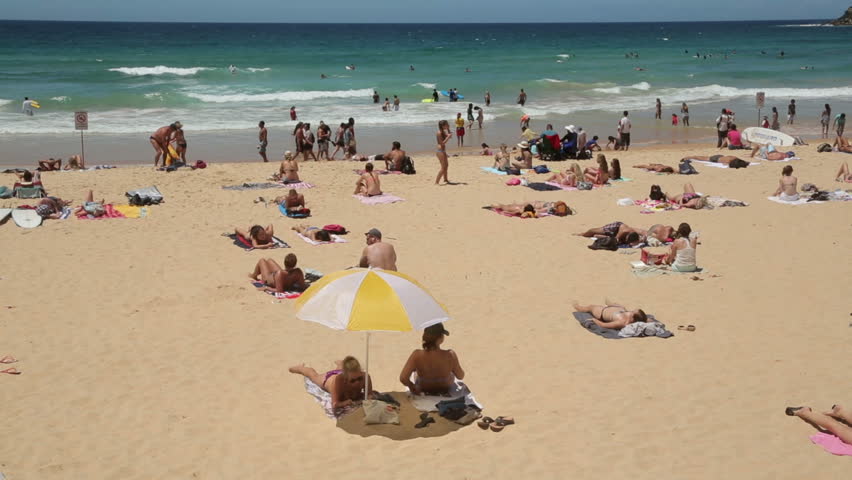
{"x":135,"y":77}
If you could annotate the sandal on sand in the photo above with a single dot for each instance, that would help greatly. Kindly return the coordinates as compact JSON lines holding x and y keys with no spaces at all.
{"x":791,"y":411}
{"x":8,"y":359}
{"x":425,"y":420}
{"x":501,"y":422}
{"x":485,"y":422}
{"x":11,"y":371}
{"x":689,"y":328}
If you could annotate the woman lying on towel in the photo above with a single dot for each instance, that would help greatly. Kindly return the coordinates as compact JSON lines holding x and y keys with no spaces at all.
{"x":844,"y":175}
{"x":612,"y":316}
{"x":569,"y":177}
{"x":345,"y":383}
{"x":681,"y":257}
{"x":836,"y":421}
{"x":277,"y":279}
{"x":787,"y":190}
{"x":314,"y":233}
{"x":656,"y":167}
{"x":600,"y":175}
{"x":533,"y":210}
{"x":768,"y":152}
{"x":723,"y":159}
{"x":258,"y":236}
{"x":689,"y":199}
{"x":436,"y":369}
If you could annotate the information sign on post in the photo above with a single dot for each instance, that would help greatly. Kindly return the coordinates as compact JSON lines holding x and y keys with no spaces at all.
{"x":760,"y":101}
{"x":81,"y":122}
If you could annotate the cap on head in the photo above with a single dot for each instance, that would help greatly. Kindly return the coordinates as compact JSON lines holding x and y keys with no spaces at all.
{"x":437,"y":329}
{"x":374,"y":232}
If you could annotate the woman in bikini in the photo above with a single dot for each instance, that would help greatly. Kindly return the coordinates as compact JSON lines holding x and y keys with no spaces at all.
{"x":569,"y":177}
{"x":844,"y":175}
{"x":502,"y":159}
{"x":612,"y":315}
{"x":258,"y":236}
{"x":615,"y":169}
{"x":787,"y":185}
{"x":299,"y":135}
{"x":314,"y":233}
{"x":277,"y":279}
{"x":345,"y":383}
{"x":836,"y":421}
{"x":600,"y":175}
{"x":656,"y":167}
{"x":436,"y":369}
{"x":559,"y":208}
{"x":288,"y":172}
{"x":443,"y":136}
{"x":689,"y":199}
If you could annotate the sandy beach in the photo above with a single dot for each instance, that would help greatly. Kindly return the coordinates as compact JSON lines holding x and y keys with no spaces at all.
{"x":146,"y":353}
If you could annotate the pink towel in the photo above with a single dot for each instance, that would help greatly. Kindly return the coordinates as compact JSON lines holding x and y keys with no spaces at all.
{"x":109,"y":212}
{"x":383,"y":198}
{"x":563,"y":187}
{"x":832,"y":444}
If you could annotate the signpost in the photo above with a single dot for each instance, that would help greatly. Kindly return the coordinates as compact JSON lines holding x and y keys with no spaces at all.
{"x":81,"y":122}
{"x":759,"y":100}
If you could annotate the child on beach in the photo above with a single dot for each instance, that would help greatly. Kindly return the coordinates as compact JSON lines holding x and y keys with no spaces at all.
{"x":674,"y":119}
{"x":459,"y":130}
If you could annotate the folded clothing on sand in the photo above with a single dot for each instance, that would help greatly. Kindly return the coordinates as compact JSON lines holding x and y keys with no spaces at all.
{"x":429,"y":403}
{"x":245,"y":243}
{"x":377,"y":199}
{"x":586,"y":320}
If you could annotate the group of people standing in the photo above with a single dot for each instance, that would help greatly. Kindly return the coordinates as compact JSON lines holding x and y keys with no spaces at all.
{"x":305,"y":139}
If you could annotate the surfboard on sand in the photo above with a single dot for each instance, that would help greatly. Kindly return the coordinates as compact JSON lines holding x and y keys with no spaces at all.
{"x":172,"y":156}
{"x":26,"y":218}
{"x":765,"y":136}
{"x":4,"y":214}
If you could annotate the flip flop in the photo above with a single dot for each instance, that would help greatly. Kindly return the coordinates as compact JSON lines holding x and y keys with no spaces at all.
{"x":502,"y":422}
{"x":8,"y":359}
{"x":791,"y":411}
{"x":426,"y":421}
{"x":689,"y":328}
{"x":11,"y":371}
{"x":485,"y":422}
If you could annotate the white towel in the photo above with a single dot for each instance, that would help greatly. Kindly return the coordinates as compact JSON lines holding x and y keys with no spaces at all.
{"x":720,"y":165}
{"x":324,"y":398}
{"x":334,"y":239}
{"x":800,"y":201}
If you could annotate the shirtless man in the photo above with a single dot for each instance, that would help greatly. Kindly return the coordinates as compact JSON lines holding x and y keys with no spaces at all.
{"x":393,"y":159}
{"x":180,"y":144}
{"x":160,"y":141}
{"x":623,"y":233}
{"x":289,"y":169}
{"x":368,"y":183}
{"x":612,"y":315}
{"x":377,"y":254}
{"x":262,"y":141}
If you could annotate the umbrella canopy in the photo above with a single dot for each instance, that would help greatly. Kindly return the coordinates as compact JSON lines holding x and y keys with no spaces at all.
{"x":362,"y":299}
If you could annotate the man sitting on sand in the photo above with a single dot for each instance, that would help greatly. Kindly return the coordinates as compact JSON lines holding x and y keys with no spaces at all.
{"x":258,"y":236}
{"x":294,"y":202}
{"x":377,"y":254}
{"x":345,"y":383}
{"x":612,"y":315}
{"x":277,"y":279}
{"x":368,"y":183}
{"x":314,"y":233}
{"x":26,"y":179}
{"x":619,"y":230}
{"x":288,"y":172}
{"x":436,"y":369}
{"x":393,"y":159}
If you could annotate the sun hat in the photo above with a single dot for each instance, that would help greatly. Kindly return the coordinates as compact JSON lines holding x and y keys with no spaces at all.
{"x":437,"y":329}
{"x":524,"y":144}
{"x":570,"y":128}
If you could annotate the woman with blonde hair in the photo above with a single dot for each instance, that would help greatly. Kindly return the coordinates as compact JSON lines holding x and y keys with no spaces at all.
{"x":436,"y":369}
{"x":600,"y":175}
{"x":345,"y":383}
{"x":569,"y":177}
{"x":288,"y":172}
{"x":503,"y":159}
{"x":443,"y":136}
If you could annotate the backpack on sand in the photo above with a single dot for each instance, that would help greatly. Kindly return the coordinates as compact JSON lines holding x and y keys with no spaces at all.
{"x":605,"y":243}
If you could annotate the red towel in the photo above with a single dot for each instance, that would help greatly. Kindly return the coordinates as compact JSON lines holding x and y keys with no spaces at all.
{"x":109,"y":212}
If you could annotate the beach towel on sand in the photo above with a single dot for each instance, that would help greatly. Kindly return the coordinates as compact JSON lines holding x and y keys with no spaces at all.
{"x":254,"y":186}
{"x":428,"y":403}
{"x":719,"y":165}
{"x":800,"y":201}
{"x":378,"y":199}
{"x":324,"y":399}
{"x":109,"y":212}
{"x":278,"y":295}
{"x":510,"y":214}
{"x":587,"y":322}
{"x":245,"y":243}
{"x":831,"y":444}
{"x":334,"y":239}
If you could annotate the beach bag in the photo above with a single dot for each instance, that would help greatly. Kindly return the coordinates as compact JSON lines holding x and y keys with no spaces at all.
{"x":5,"y":192}
{"x":407,"y":166}
{"x":379,"y":412}
{"x":334,"y":228}
{"x":584,"y":186}
{"x":686,"y":168}
{"x":605,"y":243}
{"x":738,"y":163}
{"x":824,"y":147}
{"x":144,"y":196}
{"x":513,"y":181}
{"x":541,"y":169}
{"x":512,"y":171}
{"x":200,"y":164}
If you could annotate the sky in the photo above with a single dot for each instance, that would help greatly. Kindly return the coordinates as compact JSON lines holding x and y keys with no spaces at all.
{"x":420,"y":11}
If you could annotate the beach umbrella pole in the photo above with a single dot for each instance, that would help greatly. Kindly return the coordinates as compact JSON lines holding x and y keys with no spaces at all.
{"x":367,"y":370}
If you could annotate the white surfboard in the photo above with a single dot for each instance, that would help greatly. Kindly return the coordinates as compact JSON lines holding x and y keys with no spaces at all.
{"x":4,"y":214}
{"x":766,"y":136}
{"x":26,"y":218}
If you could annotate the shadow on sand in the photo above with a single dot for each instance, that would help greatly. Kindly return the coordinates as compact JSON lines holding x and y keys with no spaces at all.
{"x":408,"y":417}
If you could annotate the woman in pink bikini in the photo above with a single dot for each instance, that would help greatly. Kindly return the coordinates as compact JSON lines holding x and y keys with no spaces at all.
{"x":345,"y":383}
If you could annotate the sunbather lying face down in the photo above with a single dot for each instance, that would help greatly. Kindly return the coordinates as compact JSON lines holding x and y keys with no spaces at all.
{"x":723,"y":159}
{"x":260,"y":237}
{"x":656,"y":167}
{"x":314,"y":233}
{"x":560,"y":209}
{"x":621,"y":231}
{"x":612,"y":315}
{"x":436,"y":369}
{"x":345,"y":383}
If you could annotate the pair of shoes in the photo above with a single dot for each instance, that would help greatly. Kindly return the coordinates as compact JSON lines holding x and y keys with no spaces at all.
{"x":791,"y":411}
{"x":688,"y":328}
{"x":425,"y":419}
{"x":496,"y":425}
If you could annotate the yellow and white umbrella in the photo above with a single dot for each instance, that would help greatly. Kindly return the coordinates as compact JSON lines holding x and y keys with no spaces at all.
{"x":370,"y":300}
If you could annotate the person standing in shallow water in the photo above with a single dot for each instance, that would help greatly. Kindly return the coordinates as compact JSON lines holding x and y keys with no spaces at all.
{"x":684,"y":114}
{"x":658,"y":110}
{"x":522,"y":98}
{"x":487,"y":98}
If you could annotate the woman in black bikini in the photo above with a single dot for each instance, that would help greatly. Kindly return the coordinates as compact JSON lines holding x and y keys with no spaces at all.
{"x":442,"y":137}
{"x":277,"y":279}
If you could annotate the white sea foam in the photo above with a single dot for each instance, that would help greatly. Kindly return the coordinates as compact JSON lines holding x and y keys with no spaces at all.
{"x":61,"y":98}
{"x":280,"y":96}
{"x":159,"y":70}
{"x":551,"y":80}
{"x":564,"y":55}
{"x":721,"y":92}
{"x":807,"y":25}
{"x":253,"y":69}
{"x":430,"y":86}
{"x":616,"y":90}
{"x":154,"y":95}
{"x":4,"y":102}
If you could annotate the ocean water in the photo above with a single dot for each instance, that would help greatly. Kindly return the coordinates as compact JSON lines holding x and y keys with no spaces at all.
{"x":135,"y":77}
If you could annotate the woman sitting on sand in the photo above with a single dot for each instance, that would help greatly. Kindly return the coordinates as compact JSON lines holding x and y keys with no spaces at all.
{"x":534,"y":209}
{"x":599,"y":175}
{"x":681,"y":257}
{"x":657,"y":194}
{"x":277,"y":279}
{"x":615,"y":169}
{"x":75,"y":162}
{"x":836,"y":421}
{"x":569,"y":177}
{"x":844,"y":175}
{"x":503,"y":159}
{"x":689,"y":199}
{"x":656,"y":167}
{"x":486,"y":150}
{"x":288,"y":172}
{"x":294,"y":202}
{"x":525,"y":159}
{"x":767,"y":152}
{"x":345,"y":383}
{"x":258,"y":236}
{"x":787,"y":185}
{"x":314,"y":233}
{"x":436,"y":369}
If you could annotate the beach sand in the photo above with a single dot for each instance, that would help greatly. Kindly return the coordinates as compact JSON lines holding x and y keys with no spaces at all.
{"x":146,"y":353}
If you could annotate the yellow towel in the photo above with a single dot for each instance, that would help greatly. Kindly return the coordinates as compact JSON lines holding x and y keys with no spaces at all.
{"x":131,"y":211}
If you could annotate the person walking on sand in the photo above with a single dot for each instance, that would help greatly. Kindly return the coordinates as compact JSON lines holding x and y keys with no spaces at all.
{"x":339,"y":140}
{"x":299,"y":137}
{"x":470,"y":118}
{"x":487,"y":98}
{"x":160,"y":141}
{"x":722,"y":128}
{"x":824,"y":119}
{"x":624,"y":126}
{"x":658,"y":110}
{"x":522,"y":98}
{"x":323,"y":135}
{"x":791,"y":112}
{"x":308,"y":141}
{"x":443,"y":136}
{"x":459,"y":130}
{"x":480,"y":116}
{"x":377,"y":254}
{"x":262,"y":141}
{"x":776,"y":125}
{"x":684,"y":114}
